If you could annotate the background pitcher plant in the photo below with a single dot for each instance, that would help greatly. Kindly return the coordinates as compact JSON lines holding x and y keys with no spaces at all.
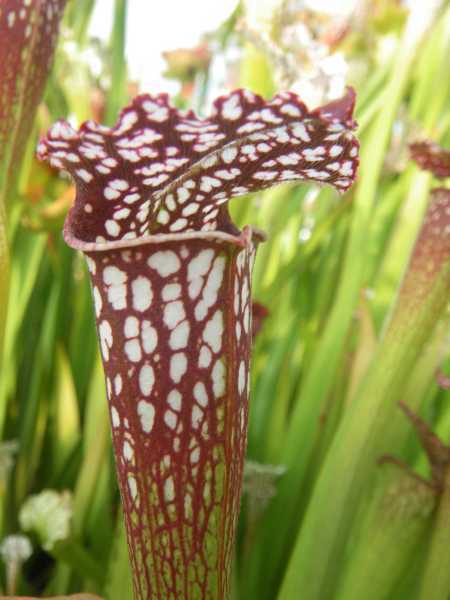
{"x":171,"y":281}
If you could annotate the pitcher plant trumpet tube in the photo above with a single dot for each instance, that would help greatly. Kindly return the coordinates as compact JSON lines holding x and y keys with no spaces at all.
{"x":171,"y":281}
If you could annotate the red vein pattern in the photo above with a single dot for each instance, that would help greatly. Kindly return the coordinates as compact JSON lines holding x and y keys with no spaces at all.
{"x":29,"y":31}
{"x":171,"y":279}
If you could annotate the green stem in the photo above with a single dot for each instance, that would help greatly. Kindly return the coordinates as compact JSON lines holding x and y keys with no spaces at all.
{"x":75,"y":556}
{"x":394,"y":528}
{"x":371,"y":428}
{"x":119,"y":584}
{"x":117,"y":92}
{"x":4,"y":278}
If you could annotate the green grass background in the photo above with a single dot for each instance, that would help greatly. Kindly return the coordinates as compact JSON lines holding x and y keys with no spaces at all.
{"x":334,"y":524}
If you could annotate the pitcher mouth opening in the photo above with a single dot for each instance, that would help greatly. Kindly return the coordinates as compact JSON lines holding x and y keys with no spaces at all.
{"x":243,"y":238}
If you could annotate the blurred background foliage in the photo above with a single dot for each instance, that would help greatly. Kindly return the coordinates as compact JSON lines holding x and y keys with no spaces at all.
{"x":328,"y":276}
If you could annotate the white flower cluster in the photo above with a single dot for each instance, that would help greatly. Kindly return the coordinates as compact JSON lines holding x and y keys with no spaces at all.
{"x":47,"y":514}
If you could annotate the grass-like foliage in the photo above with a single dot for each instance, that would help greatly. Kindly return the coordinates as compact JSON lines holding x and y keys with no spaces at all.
{"x":345,"y":487}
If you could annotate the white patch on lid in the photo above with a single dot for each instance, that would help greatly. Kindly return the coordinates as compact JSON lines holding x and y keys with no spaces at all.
{"x":208,"y":183}
{"x":299,"y":130}
{"x":115,"y":419}
{"x":282,"y":135}
{"x":347,"y":168}
{"x":195,"y":455}
{"x":11,"y":19}
{"x":131,"y":198}
{"x":287,"y":175}
{"x":183,"y":194}
{"x":201,"y":310}
{"x":97,"y":301}
{"x":227,"y":174}
{"x":163,"y":217}
{"x":214,"y":280}
{"x":118,"y":184}
{"x":291,"y":110}
{"x":314,"y":174}
{"x":84,"y":175}
{"x":122,"y":213}
{"x":265,"y":175}
{"x":178,"y":366}
{"x":246,"y":319}
{"x":146,"y":412}
{"x":263,"y":147}
{"x":171,"y":291}
{"x":117,"y":384}
{"x":148,"y":136}
{"x":335,"y":127}
{"x":128,"y":452}
{"x":195,"y":287}
{"x":131,"y":327}
{"x":173,"y":313}
{"x":335,"y":150}
{"x":142,"y":293}
{"x":178,"y":225}
{"x":210,"y":290}
{"x":289,"y":159}
{"x":132,"y":486}
{"x":108,"y":192}
{"x":196,"y":416}
{"x":111,"y":162}
{"x":205,"y":357}
{"x":174,"y":400}
{"x":248,"y":149}
{"x":115,"y":279}
{"x":63,"y":130}
{"x":149,"y":337}
{"x":179,"y":336}
{"x":170,"y":419}
{"x":241,"y":377}
{"x":213,"y":331}
{"x":269,"y":117}
{"x":112,"y":228}
{"x":200,"y":393}
{"x":200,"y":264}
{"x":313,"y":154}
{"x":218,"y":378}
{"x":127,"y":120}
{"x":155,"y":112}
{"x":170,"y":202}
{"x":229,"y":154}
{"x":169,"y":490}
{"x":133,"y":350}
{"x":190,"y":209}
{"x":146,"y":379}
{"x":155,"y":181}
{"x":209,"y":161}
{"x":249,"y":127}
